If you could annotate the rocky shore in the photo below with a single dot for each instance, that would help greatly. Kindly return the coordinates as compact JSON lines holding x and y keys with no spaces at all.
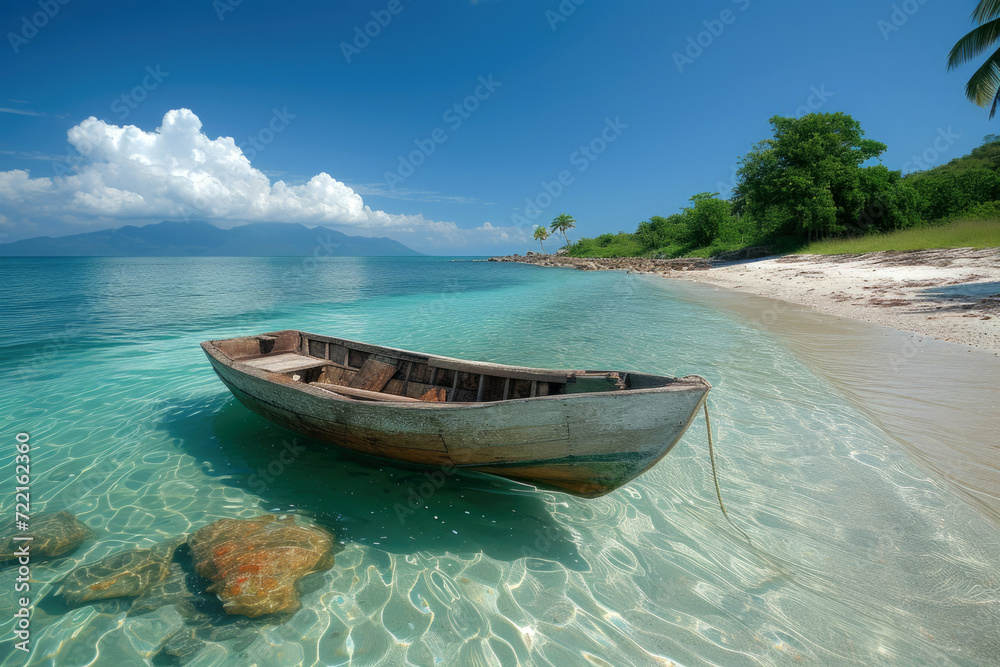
{"x":632,"y":264}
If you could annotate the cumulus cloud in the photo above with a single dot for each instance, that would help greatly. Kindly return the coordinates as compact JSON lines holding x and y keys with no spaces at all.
{"x":178,"y":172}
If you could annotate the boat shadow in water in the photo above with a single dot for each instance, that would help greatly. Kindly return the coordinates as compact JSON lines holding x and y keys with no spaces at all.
{"x":382,"y":504}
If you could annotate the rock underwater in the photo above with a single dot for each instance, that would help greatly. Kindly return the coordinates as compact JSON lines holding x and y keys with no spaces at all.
{"x":52,"y":535}
{"x":124,"y":574}
{"x":254,"y":563}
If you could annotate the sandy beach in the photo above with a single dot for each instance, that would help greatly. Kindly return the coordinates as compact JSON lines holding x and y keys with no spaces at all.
{"x":951,"y":295}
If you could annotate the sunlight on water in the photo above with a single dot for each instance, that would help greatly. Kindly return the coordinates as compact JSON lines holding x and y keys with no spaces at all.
{"x":858,"y":557}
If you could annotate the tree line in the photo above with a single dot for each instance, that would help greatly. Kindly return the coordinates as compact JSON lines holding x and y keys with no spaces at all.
{"x":817,"y":176}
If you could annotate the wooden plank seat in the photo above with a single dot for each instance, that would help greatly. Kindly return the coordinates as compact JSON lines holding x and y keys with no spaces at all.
{"x":286,"y":363}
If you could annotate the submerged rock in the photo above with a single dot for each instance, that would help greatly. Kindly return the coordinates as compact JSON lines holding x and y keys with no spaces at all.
{"x":183,"y":645}
{"x":175,"y":588}
{"x":254,"y":563}
{"x":125,"y":574}
{"x":53,"y":534}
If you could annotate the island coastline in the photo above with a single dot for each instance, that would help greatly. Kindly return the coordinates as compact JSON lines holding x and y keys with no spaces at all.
{"x":951,"y":295}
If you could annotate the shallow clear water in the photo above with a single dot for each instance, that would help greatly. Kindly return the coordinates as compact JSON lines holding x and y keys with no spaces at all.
{"x":858,"y":557}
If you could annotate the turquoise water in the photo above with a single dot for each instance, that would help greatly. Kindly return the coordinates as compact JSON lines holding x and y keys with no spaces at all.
{"x":857,"y":558}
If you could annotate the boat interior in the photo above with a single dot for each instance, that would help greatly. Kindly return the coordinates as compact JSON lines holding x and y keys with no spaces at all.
{"x":371,"y":373}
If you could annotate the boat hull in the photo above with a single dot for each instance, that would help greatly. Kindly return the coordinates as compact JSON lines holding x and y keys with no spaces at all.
{"x":583,"y":444}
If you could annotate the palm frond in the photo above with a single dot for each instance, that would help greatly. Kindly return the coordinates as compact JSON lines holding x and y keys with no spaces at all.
{"x":986,"y":10}
{"x":984,"y":84}
{"x":974,"y":43}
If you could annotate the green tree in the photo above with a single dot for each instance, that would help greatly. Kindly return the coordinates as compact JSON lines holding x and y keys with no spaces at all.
{"x":659,"y":232}
{"x":706,"y":217}
{"x":891,"y":203}
{"x":541,"y":234}
{"x":984,"y":86}
{"x":562,"y":223}
{"x":806,"y":180}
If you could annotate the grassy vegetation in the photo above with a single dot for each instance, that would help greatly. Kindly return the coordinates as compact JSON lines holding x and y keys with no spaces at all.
{"x":959,"y":234}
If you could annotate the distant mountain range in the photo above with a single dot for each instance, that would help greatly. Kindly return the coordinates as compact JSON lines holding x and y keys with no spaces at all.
{"x":200,"y":239}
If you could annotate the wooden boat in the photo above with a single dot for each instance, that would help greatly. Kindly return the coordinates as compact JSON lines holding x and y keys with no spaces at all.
{"x":581,"y":432}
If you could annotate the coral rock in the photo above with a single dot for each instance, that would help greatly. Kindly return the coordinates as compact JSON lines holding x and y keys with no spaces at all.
{"x":123,"y":574}
{"x":254,"y":563}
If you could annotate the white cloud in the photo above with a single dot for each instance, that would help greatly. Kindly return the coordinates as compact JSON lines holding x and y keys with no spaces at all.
{"x":33,"y":155}
{"x":177,"y":172}
{"x":20,"y":112}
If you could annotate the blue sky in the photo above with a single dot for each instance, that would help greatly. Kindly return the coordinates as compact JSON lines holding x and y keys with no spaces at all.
{"x":320,"y":118}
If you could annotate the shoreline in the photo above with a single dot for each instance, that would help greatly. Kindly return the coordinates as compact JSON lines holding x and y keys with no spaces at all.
{"x":936,"y":399}
{"x":951,"y":295}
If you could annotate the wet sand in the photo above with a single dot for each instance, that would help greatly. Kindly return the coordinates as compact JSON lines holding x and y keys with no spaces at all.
{"x":939,"y":400}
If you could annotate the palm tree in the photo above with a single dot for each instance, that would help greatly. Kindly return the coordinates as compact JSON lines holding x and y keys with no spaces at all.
{"x":984,"y":86}
{"x":541,"y":234}
{"x":566,"y":221}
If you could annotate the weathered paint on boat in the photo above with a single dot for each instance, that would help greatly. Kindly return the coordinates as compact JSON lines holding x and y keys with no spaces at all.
{"x":586,"y":444}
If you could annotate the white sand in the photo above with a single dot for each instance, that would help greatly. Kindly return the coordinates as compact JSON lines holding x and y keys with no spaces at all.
{"x":952,"y":295}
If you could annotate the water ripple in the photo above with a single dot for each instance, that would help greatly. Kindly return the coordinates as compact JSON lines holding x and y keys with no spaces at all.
{"x":858,"y":556}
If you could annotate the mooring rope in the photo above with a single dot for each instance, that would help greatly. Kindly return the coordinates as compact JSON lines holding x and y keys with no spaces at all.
{"x":715,"y":477}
